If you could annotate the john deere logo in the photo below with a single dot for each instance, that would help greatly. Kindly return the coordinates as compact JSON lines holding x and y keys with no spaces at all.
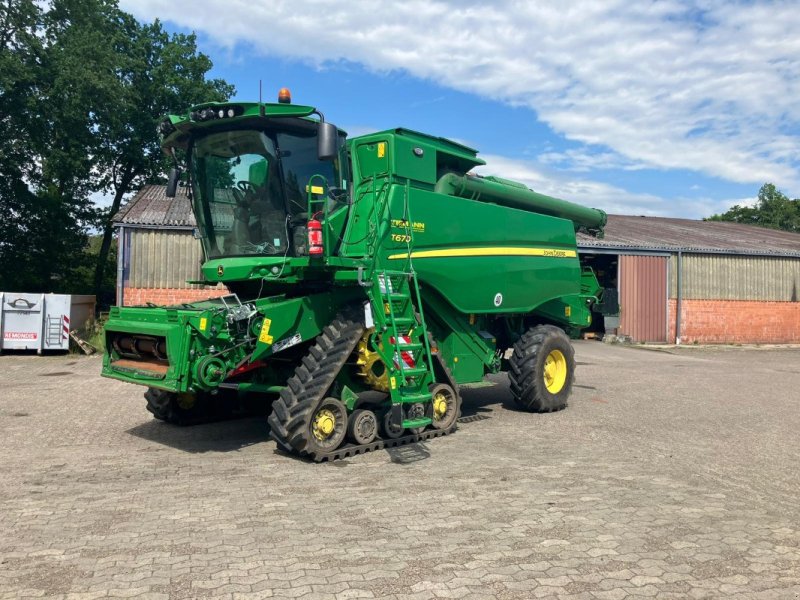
{"x":220,"y":271}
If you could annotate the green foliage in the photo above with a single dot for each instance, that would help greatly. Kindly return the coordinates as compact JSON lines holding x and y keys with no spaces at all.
{"x":82,"y":88}
{"x":773,"y":209}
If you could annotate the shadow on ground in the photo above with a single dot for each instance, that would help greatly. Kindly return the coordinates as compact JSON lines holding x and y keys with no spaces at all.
{"x":235,"y":434}
{"x":224,"y":436}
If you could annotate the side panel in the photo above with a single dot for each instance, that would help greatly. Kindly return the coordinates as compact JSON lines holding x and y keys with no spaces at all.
{"x":643,"y":297}
{"x":482,"y":257}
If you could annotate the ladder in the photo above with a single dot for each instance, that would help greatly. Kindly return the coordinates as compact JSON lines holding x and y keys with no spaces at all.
{"x":401,"y":335}
{"x":54,"y":331}
{"x":403,"y":346}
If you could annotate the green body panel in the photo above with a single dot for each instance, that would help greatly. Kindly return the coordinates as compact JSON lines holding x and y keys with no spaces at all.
{"x":471,"y":251}
{"x":473,"y":260}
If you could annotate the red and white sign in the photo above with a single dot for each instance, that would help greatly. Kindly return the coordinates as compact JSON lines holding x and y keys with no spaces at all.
{"x":408,"y":357}
{"x":20,"y":335}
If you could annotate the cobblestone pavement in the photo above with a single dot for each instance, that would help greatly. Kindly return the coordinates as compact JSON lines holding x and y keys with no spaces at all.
{"x":671,"y":474}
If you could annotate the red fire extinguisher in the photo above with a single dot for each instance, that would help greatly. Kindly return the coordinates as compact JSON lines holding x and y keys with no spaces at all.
{"x":314,"y":237}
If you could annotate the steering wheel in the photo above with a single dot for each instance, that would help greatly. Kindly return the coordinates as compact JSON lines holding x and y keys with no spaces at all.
{"x":240,"y":191}
{"x":245,"y":186}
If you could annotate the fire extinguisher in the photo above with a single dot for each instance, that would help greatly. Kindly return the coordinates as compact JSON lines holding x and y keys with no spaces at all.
{"x":314,"y":237}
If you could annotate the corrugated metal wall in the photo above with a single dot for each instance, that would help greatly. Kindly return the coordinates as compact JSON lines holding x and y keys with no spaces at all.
{"x":643,"y":297}
{"x":164,"y":259}
{"x":724,"y":277}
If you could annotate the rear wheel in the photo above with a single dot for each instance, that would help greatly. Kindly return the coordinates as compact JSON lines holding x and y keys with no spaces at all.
{"x":542,"y":369}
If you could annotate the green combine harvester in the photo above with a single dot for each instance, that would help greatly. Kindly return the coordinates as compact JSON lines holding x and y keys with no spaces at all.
{"x":369,"y":278}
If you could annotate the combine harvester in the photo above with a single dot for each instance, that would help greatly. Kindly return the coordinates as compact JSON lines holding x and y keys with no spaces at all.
{"x":377,"y":263}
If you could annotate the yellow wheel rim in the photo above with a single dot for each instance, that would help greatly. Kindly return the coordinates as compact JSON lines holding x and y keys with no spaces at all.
{"x":324,"y":424}
{"x":370,"y":364}
{"x":555,"y":371}
{"x":439,"y":406}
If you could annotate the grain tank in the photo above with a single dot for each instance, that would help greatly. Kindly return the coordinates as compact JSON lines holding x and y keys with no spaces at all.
{"x":375,"y":264}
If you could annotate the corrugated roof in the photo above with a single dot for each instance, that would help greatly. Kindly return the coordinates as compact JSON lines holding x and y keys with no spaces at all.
{"x":150,"y":206}
{"x":666,"y":234}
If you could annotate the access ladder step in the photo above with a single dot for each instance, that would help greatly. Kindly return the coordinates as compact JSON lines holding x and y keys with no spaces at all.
{"x":413,"y":371}
{"x":400,"y":321}
{"x":413,"y":423}
{"x":412,"y":398}
{"x":411,"y":347}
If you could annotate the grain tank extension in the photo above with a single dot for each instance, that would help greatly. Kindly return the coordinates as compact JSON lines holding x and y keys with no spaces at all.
{"x":373,"y":264}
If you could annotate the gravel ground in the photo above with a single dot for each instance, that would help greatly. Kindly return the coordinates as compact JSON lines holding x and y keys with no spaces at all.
{"x":673,"y":473}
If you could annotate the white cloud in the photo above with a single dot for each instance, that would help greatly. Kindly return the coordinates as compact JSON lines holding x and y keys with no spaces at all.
{"x":707,"y":85}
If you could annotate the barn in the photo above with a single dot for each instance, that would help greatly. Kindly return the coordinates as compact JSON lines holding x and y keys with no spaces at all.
{"x":677,"y":280}
{"x":158,"y":251}
{"x":686,"y":281}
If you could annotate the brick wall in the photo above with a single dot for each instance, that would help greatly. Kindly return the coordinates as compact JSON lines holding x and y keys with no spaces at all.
{"x":134,"y":296}
{"x":736,"y":322}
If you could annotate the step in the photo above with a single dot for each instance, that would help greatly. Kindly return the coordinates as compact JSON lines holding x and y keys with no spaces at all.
{"x":399,"y":296}
{"x":405,"y":321}
{"x":413,"y":423}
{"x":413,"y":397}
{"x":409,"y":347}
{"x":412,"y":371}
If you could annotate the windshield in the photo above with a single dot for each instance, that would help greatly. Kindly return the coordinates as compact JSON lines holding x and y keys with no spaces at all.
{"x":250,"y":189}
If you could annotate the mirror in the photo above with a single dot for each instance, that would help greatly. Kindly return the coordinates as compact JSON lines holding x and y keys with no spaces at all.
{"x":172,"y":182}
{"x":327,"y":141}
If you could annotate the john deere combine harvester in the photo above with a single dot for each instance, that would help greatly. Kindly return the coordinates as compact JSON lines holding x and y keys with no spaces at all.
{"x":376,"y":264}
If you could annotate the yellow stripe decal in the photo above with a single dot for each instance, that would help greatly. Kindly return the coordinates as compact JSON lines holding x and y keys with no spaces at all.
{"x":509,"y":251}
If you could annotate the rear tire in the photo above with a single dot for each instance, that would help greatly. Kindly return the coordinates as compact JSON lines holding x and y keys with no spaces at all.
{"x":542,"y":369}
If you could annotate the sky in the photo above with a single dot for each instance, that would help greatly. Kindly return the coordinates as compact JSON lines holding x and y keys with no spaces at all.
{"x":677,"y":109}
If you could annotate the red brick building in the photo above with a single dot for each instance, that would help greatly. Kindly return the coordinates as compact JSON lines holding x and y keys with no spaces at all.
{"x":677,"y":279}
{"x":686,"y":281}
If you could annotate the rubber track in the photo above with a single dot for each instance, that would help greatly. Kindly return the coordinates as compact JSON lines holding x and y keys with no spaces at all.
{"x":291,"y":412}
{"x":354,"y":450}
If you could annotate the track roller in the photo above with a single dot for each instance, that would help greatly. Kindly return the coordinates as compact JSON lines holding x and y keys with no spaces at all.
{"x":362,"y":426}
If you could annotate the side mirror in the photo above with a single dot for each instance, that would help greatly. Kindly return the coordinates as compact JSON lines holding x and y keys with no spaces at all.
{"x":172,"y":182}
{"x":327,"y":141}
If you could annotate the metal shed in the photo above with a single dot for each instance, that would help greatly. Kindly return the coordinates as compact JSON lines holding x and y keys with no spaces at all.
{"x":158,"y":250}
{"x":687,"y":281}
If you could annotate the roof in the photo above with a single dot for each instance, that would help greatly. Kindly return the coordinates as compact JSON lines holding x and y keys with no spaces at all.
{"x":150,"y":207}
{"x":670,"y":235}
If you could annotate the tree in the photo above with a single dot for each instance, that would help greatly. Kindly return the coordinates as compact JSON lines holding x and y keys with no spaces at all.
{"x":772,"y":209}
{"x":82,"y":88}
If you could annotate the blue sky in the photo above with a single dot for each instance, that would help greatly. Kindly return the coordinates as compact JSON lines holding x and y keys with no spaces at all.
{"x":654,"y":108}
